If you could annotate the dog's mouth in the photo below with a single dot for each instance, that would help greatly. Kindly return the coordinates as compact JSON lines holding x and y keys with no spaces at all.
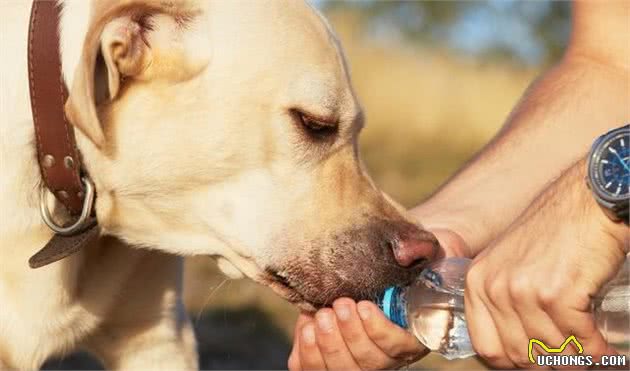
{"x":282,"y":286}
{"x":286,"y":286}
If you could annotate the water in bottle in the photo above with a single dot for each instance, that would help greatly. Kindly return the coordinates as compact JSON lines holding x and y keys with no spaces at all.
{"x":432,"y":308}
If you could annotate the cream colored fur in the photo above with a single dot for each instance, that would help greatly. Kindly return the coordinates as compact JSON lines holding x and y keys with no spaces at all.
{"x":193,"y":151}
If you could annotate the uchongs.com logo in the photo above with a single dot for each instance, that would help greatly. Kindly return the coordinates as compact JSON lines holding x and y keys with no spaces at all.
{"x":553,"y":358}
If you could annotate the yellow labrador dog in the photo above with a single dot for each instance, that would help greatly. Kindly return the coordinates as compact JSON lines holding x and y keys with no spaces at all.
{"x":222,"y":128}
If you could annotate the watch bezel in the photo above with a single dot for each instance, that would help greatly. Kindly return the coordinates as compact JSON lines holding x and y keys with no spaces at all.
{"x":599,"y":146}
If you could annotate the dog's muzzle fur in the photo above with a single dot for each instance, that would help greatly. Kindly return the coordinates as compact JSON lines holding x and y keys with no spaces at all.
{"x":358,"y":263}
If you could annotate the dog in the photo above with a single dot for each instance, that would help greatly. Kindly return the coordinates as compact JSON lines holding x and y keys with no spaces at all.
{"x":219,"y":128}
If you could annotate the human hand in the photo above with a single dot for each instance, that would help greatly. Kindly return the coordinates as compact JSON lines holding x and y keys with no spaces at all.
{"x":538,"y":278}
{"x":351,"y":336}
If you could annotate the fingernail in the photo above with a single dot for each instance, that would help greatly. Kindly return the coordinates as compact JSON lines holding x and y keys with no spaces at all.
{"x":364,"y":311}
{"x":308,"y":334}
{"x":343,"y":312}
{"x":324,"y":321}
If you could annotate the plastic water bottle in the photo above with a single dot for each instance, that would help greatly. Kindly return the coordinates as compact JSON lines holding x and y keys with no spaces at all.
{"x":611,"y":308}
{"x":432,"y":308}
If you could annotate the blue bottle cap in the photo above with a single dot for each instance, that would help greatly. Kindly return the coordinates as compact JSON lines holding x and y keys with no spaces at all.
{"x":393,"y":304}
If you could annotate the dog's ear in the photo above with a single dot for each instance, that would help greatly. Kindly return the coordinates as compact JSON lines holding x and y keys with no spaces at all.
{"x":115,"y":46}
{"x":124,"y":51}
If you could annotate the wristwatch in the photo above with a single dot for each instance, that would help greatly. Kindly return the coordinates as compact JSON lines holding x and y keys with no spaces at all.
{"x":609,"y":172}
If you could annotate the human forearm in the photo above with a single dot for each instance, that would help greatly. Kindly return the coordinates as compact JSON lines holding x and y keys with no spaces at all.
{"x":550,"y":129}
{"x":574,"y":203}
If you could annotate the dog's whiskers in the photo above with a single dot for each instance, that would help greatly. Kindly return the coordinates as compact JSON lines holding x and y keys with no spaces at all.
{"x":205,"y":304}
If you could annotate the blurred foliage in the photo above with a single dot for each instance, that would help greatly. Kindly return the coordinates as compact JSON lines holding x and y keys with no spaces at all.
{"x":542,"y":26}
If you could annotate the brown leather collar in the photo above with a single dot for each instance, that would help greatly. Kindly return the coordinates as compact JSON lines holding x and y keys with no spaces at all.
{"x":57,"y":153}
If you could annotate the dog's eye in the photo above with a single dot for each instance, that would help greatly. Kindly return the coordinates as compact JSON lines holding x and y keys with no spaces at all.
{"x":316,"y":128}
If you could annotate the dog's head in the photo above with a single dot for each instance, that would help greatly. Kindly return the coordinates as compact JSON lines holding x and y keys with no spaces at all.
{"x":230,"y":129}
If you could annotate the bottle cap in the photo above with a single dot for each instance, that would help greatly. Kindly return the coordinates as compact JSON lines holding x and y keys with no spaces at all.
{"x":393,"y":304}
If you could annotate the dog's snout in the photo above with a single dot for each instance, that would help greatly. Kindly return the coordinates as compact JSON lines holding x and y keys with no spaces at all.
{"x":395,"y":251}
{"x":413,"y":246}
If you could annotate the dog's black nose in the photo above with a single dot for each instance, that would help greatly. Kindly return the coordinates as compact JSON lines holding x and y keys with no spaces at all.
{"x":413,"y":245}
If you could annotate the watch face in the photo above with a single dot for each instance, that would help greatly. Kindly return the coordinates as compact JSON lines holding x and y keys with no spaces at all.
{"x":611,"y":168}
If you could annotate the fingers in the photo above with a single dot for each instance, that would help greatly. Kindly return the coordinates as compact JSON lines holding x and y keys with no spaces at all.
{"x":536,"y":322}
{"x":505,"y":311}
{"x":534,"y":319}
{"x":367,"y":354}
{"x":310,"y":356}
{"x":351,"y":336}
{"x":331,"y":344}
{"x":481,"y":327}
{"x":507,"y":321}
{"x":293,"y":363}
{"x":391,"y":339}
{"x":582,"y":325}
{"x":549,"y":314}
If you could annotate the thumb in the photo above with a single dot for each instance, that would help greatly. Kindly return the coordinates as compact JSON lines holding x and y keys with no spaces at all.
{"x":452,"y":243}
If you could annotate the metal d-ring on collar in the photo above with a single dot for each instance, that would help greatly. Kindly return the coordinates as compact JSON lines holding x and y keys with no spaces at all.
{"x":84,"y":221}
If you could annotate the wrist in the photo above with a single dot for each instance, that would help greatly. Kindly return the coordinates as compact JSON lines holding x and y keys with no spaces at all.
{"x":617,"y":231}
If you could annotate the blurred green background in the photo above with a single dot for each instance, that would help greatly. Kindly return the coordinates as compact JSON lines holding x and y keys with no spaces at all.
{"x":437,"y":79}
